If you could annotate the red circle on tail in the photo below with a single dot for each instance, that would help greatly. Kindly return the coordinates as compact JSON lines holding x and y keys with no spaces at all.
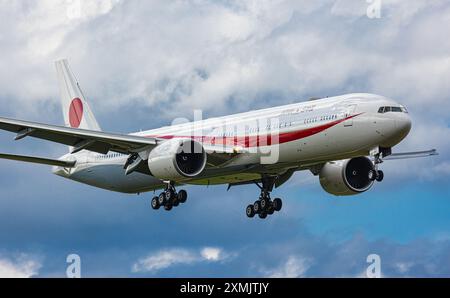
{"x":75,"y":112}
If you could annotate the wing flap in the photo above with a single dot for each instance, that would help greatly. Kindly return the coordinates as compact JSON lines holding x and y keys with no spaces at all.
{"x":39,"y":160}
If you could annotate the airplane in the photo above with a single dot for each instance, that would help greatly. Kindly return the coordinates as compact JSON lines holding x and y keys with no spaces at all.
{"x":342,"y":139}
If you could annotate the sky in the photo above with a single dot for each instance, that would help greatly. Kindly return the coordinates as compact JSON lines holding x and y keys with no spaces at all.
{"x":142,"y":64}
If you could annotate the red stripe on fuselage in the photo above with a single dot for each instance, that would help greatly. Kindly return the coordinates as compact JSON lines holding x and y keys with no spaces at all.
{"x":260,"y":140}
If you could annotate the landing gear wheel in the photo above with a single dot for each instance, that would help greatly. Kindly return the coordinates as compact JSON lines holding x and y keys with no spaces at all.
{"x":170,"y":194}
{"x":250,"y":211}
{"x":277,"y":204}
{"x":155,"y":203}
{"x":264,"y":204}
{"x":169,"y":198}
{"x":372,"y":175}
{"x":162,"y":199}
{"x":257,"y":207}
{"x":182,"y":196}
{"x":379,"y":176}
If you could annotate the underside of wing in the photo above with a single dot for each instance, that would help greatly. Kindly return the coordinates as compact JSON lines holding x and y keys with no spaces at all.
{"x":39,"y":160}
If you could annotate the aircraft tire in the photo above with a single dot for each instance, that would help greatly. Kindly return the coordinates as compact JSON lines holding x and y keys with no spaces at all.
{"x":277,"y":204}
{"x":250,"y":211}
{"x":265,"y":203}
{"x":155,"y":203}
{"x":162,"y":199}
{"x":257,"y":207}
{"x":372,"y":175}
{"x":379,"y":176}
{"x":170,"y":194}
{"x":262,"y":215}
{"x":182,"y":196}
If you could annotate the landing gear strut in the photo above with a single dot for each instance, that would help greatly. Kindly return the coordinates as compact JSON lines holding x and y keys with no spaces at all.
{"x":169,"y":198}
{"x":264,"y":206}
{"x":376,"y":174}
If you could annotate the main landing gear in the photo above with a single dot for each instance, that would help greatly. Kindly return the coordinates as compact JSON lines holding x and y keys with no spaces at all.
{"x":376,"y":174}
{"x":264,"y":206}
{"x":169,"y":198}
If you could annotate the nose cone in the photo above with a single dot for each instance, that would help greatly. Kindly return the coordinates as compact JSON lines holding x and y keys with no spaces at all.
{"x":403,"y":125}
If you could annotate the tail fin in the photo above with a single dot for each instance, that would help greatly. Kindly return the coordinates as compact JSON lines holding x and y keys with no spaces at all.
{"x":77,"y":113}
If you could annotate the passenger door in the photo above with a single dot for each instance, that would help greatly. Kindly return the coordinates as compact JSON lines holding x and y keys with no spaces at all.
{"x":349,"y":111}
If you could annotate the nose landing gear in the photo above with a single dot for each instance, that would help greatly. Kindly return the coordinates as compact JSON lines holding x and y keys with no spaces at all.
{"x":169,"y":198}
{"x":376,"y":174}
{"x":264,"y":206}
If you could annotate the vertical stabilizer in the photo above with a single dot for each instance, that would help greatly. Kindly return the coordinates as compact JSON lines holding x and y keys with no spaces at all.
{"x":77,"y":113}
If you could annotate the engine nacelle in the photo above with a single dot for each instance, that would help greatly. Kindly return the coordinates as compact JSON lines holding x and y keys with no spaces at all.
{"x":346,"y":177}
{"x":176,"y":159}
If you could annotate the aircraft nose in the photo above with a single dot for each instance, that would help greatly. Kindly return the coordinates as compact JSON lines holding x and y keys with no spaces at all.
{"x":403,"y":125}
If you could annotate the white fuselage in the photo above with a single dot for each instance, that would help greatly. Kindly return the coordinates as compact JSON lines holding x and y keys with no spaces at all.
{"x":305,"y":133}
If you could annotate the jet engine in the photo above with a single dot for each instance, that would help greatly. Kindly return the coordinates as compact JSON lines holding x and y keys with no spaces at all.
{"x":177,"y":159}
{"x":347,"y":177}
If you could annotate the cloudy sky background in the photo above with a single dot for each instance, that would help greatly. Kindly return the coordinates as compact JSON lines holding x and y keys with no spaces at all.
{"x":144,"y":63}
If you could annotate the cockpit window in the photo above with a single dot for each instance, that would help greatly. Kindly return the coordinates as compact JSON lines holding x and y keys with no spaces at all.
{"x":383,"y":110}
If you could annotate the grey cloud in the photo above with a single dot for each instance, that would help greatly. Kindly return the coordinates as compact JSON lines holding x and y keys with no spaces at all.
{"x":149,"y":52}
{"x":145,"y":62}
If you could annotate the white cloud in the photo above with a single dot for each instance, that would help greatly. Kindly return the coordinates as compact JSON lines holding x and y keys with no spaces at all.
{"x":179,"y":256}
{"x":424,"y":135}
{"x":211,"y":253}
{"x":294,"y":266}
{"x":21,"y":267}
{"x":164,"y":259}
{"x":349,"y":8}
{"x":213,"y":55}
{"x":128,"y":51}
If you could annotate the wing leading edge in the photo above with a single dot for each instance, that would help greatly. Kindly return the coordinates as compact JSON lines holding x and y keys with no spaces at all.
{"x":406,"y":155}
{"x":79,"y":139}
{"x":100,"y":142}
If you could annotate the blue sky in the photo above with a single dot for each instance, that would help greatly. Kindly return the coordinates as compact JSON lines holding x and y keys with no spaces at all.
{"x":144,"y":63}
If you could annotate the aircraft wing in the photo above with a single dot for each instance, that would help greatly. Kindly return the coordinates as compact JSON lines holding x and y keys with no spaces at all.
{"x":39,"y":160}
{"x":79,"y":139}
{"x":406,"y":155}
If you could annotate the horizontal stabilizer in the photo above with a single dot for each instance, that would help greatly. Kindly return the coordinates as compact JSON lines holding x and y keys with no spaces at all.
{"x":39,"y":160}
{"x":406,"y":155}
